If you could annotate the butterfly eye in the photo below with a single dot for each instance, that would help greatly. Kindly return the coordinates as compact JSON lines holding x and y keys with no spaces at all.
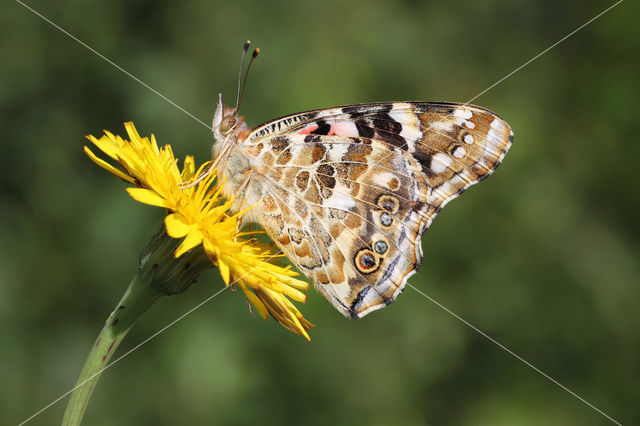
{"x":227,"y":123}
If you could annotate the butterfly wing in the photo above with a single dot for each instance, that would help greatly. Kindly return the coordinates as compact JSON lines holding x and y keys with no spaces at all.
{"x":348,"y":191}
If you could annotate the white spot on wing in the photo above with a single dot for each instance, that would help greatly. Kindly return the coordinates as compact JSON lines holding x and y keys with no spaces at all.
{"x":459,"y":152}
{"x":497,"y":124}
{"x":382,"y":179}
{"x":401,"y":112}
{"x":441,"y":126}
{"x":337,"y":150}
{"x":440,"y":162}
{"x":340,"y":201}
{"x":468,"y":138}
{"x":494,"y":137}
{"x":463,"y":113}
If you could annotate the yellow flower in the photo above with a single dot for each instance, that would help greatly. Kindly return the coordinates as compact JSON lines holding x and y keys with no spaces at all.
{"x":200,"y":215}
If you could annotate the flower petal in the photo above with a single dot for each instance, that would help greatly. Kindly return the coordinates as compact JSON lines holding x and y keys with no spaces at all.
{"x":108,"y":167}
{"x":148,"y":197}
{"x":106,"y":144}
{"x":176,"y":227}
{"x":193,"y":239}
{"x":256,"y":302}
{"x":224,"y":271}
{"x":189,"y":168}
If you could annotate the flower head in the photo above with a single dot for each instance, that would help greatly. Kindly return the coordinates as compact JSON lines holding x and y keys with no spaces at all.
{"x":200,"y":215}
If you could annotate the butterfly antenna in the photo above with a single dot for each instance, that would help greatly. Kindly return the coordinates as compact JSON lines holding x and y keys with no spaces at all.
{"x":244,"y":53}
{"x":241,"y":88}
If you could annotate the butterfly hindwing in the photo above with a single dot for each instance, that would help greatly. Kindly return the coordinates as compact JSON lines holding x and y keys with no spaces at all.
{"x":347,"y":212}
{"x":348,"y":191}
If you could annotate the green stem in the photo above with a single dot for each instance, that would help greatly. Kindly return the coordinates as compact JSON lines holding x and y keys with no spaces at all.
{"x":135,"y":301}
{"x":159,"y":274}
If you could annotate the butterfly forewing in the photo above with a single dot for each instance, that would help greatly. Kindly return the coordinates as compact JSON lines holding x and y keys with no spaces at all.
{"x":348,"y":191}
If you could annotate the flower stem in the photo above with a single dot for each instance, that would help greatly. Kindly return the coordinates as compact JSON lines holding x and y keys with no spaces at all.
{"x":159,"y":274}
{"x":135,"y":301}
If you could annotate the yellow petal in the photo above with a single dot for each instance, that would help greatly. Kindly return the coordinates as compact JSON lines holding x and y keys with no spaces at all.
{"x":147,"y":196}
{"x":294,"y":294}
{"x":106,"y":144}
{"x":176,"y":227}
{"x":131,"y":131}
{"x":300,"y":285}
{"x":224,"y":271}
{"x":189,"y":169}
{"x":193,"y":239}
{"x":209,"y":248}
{"x":154,"y":144}
{"x":257,"y":303}
{"x":108,"y":167}
{"x":298,"y":326}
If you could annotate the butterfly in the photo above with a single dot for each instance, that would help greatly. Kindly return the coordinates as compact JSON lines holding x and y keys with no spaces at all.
{"x":347,"y":192}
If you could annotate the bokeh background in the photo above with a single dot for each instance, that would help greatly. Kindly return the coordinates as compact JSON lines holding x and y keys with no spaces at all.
{"x":543,"y":256}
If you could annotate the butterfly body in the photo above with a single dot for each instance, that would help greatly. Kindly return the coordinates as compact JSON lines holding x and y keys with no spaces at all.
{"x":347,"y":192}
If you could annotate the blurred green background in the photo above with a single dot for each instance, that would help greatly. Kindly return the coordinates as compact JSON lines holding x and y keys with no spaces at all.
{"x":543,"y":256}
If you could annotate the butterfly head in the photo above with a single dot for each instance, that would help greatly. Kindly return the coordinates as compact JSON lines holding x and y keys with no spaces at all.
{"x":226,"y":121}
{"x":230,"y":130}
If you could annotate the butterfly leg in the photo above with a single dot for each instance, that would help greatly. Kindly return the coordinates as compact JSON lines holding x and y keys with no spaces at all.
{"x":200,"y":178}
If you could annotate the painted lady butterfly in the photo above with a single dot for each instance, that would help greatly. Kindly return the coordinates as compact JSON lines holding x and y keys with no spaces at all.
{"x":347,"y":192}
